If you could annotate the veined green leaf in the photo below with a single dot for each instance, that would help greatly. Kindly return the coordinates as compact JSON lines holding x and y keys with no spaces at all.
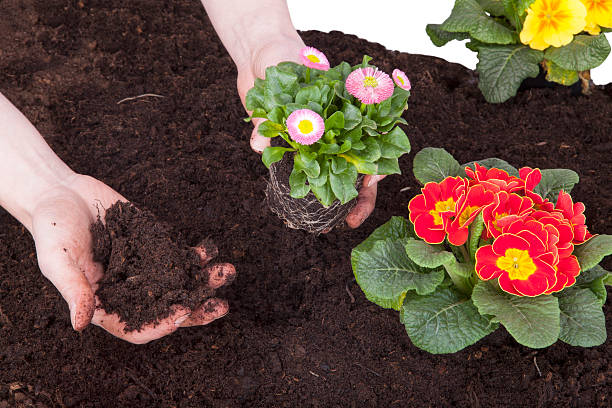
{"x":555,"y":180}
{"x":273,"y":154}
{"x":582,"y":321}
{"x":469,"y":16}
{"x":434,"y":164}
{"x":426,"y":255}
{"x":440,"y":37}
{"x":583,"y":53}
{"x":593,"y":251}
{"x":297,"y":183}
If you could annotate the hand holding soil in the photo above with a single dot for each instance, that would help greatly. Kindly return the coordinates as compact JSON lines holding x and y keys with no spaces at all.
{"x":61,"y":231}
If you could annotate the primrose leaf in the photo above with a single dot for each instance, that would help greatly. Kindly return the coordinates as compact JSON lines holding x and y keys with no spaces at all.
{"x":595,"y":280}
{"x":385,"y":273}
{"x":555,"y":73}
{"x":469,"y":17}
{"x":593,"y":251}
{"x":273,"y":154}
{"x":297,"y":183}
{"x":444,"y":321}
{"x":583,"y":323}
{"x":426,"y":255}
{"x":555,"y":180}
{"x":270,"y":129}
{"x":335,"y":121}
{"x":489,"y":163}
{"x":343,"y":184}
{"x":440,"y":37}
{"x":308,"y":94}
{"x":395,"y":229}
{"x":584,"y":52}
{"x":501,"y":69}
{"x":532,"y":321}
{"x":515,"y":10}
{"x":434,"y":164}
{"x":495,"y":7}
{"x":475,"y":233}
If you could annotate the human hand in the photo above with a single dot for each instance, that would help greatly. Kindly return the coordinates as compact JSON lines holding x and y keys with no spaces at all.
{"x":60,"y":227}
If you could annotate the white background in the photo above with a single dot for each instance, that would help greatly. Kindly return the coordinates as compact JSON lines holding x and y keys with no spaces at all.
{"x":398,"y":25}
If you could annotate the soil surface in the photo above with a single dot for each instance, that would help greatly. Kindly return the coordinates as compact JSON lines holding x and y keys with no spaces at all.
{"x":299,"y":332}
{"x":145,"y":271}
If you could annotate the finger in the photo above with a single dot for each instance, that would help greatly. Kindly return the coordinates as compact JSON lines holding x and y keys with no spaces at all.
{"x":71,"y":281}
{"x":210,"y":310}
{"x":149,"y":332}
{"x":220,"y":274}
{"x":364,"y":207}
{"x":372,"y":180}
{"x":206,"y":250}
{"x":258,"y":142}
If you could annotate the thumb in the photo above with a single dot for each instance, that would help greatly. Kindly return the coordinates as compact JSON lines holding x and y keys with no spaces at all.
{"x":71,"y":282}
{"x":258,"y":142}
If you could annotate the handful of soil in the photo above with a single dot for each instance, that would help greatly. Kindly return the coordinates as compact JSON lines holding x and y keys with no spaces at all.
{"x":145,"y":270}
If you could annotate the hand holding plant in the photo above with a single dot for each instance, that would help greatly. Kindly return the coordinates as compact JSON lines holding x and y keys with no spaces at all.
{"x":490,"y":245}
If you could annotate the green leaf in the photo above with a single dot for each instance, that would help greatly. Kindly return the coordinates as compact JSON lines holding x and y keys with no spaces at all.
{"x":272,"y":100}
{"x":495,"y":7}
{"x":277,"y":115}
{"x":297,"y":183}
{"x":555,"y":180}
{"x":595,"y":280}
{"x":440,"y":37}
{"x":270,"y":129}
{"x":315,"y":107}
{"x":324,"y":194}
{"x":394,"y":144}
{"x":489,"y":163}
{"x":339,"y":164}
{"x":555,"y":73}
{"x":434,"y":164}
{"x":387,"y":166}
{"x":583,"y":322}
{"x":501,"y":70}
{"x":584,"y":52}
{"x":360,"y":164}
{"x":475,"y":233}
{"x":427,"y":256}
{"x":254,"y":99}
{"x":394,"y":229}
{"x":335,"y":121}
{"x":279,"y":81}
{"x":593,"y":251}
{"x":532,"y":321}
{"x":260,"y":113}
{"x":469,"y":17}
{"x":323,"y":174}
{"x":343,"y":184}
{"x":273,"y":154}
{"x":515,"y":11}
{"x":332,"y":148}
{"x":352,"y":115}
{"x":385,"y":273}
{"x":302,"y":162}
{"x":444,"y":321}
{"x":308,"y":94}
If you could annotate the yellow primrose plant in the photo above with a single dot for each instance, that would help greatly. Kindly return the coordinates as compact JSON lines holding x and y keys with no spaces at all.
{"x":516,"y":39}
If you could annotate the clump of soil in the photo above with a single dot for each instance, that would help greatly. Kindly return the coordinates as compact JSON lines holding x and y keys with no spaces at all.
{"x":146,"y":270}
{"x":305,"y":213}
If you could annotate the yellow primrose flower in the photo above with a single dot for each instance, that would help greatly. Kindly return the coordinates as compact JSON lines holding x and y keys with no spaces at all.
{"x":553,"y":22}
{"x":599,"y":14}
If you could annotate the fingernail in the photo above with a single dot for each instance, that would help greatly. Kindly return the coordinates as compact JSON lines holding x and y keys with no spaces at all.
{"x":181,"y":320}
{"x":73,"y":308}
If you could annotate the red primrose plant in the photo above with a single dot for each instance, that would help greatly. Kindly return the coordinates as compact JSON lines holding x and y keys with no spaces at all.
{"x":490,"y":244}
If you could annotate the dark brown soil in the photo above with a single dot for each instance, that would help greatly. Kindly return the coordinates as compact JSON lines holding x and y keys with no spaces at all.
{"x":300,"y":332}
{"x":145,"y":270}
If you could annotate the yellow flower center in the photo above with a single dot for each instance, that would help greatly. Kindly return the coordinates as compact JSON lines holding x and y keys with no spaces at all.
{"x":497,"y":217}
{"x":400,"y":80}
{"x":313,"y":58}
{"x":442,"y":206}
{"x":370,"y":81}
{"x":305,"y":126}
{"x":466,"y":214}
{"x":517,"y":263}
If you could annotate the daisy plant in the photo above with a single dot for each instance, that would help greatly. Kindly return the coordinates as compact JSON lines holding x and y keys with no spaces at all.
{"x":486,"y":244}
{"x":335,"y":122}
{"x":518,"y":39}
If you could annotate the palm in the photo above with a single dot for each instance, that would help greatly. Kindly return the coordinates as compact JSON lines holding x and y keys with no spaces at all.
{"x":64,"y":247}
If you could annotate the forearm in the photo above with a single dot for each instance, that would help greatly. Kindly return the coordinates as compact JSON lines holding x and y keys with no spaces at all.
{"x":244,"y":26}
{"x":28,"y":166}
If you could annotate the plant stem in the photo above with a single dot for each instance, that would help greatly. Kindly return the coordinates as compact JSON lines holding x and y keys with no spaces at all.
{"x":307,"y":75}
{"x":464,"y":252}
{"x":363,"y":107}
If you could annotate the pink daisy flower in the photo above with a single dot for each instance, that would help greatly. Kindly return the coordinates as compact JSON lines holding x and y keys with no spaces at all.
{"x":313,"y":58}
{"x":369,"y":85}
{"x":401,"y":79}
{"x":305,"y":126}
